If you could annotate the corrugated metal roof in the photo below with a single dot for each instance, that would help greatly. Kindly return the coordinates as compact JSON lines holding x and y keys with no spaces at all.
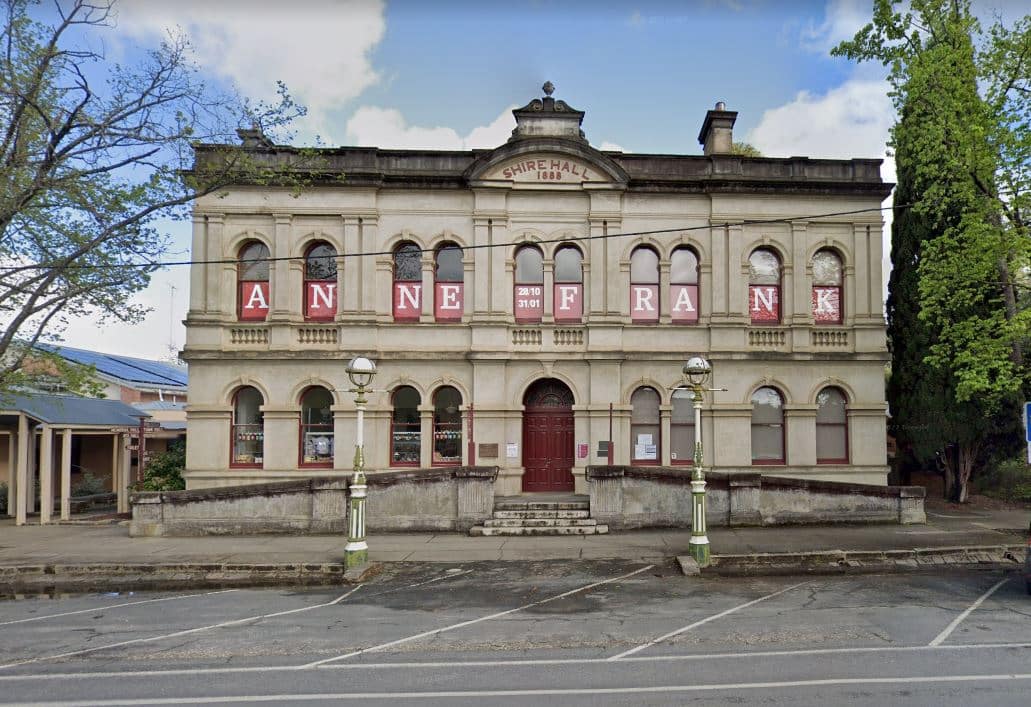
{"x":137,"y":371}
{"x":71,"y":410}
{"x":159,"y":405}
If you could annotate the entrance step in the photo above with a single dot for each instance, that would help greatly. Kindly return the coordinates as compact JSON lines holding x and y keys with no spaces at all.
{"x":510,"y":515}
{"x":538,"y":522}
{"x":542,"y":506}
{"x":573,"y":530}
{"x":520,"y":515}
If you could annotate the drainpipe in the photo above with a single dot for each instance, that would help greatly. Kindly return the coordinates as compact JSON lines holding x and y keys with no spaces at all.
{"x":472,"y":441}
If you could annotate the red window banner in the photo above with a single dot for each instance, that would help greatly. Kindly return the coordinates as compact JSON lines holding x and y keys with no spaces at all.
{"x":684,"y":303}
{"x":827,"y":304}
{"x":254,"y":300}
{"x":449,"y":304}
{"x":569,"y":302}
{"x":320,"y":300}
{"x":764,"y":303}
{"x":407,"y":301}
{"x":644,"y":303}
{"x":529,"y":303}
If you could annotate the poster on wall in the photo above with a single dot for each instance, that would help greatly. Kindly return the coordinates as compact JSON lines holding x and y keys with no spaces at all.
{"x":254,"y":300}
{"x":529,"y":303}
{"x":407,"y":301}
{"x":764,"y":303}
{"x":569,"y":306}
{"x":644,"y":303}
{"x":320,"y":300}
{"x":684,"y":303}
{"x":448,"y":304}
{"x":827,"y":304}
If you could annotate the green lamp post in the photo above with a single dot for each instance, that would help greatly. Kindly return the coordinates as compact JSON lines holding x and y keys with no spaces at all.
{"x":696,"y":374}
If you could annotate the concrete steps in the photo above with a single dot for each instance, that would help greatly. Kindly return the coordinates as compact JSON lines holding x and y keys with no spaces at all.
{"x":526,"y":517}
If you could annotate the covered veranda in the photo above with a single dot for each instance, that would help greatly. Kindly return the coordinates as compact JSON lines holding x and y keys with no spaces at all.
{"x":43,"y":431}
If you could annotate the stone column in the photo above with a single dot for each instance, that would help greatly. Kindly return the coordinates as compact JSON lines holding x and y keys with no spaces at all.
{"x":215,"y":300}
{"x":801,"y":314}
{"x":858,"y":296}
{"x":665,"y":427}
{"x":736,"y":283}
{"x":12,"y":471}
{"x":21,"y":472}
{"x":549,"y":291}
{"x":281,"y":448}
{"x":480,"y":302}
{"x":282,"y":272}
{"x":665,"y":307}
{"x":349,"y":272}
{"x":428,"y":266}
{"x":46,"y":474}
{"x":714,"y":290}
{"x":66,"y":473}
{"x":597,"y":254}
{"x":368,"y":269}
{"x":426,"y":433}
{"x":198,"y":273}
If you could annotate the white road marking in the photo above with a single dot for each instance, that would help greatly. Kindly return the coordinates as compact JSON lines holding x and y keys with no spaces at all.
{"x":671,"y":634}
{"x":463,"y":624}
{"x":176,"y":634}
{"x":113,"y":606}
{"x":940,"y":638}
{"x":689,"y":657}
{"x":469,"y":694}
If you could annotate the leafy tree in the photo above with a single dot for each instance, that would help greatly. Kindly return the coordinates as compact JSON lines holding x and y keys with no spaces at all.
{"x":745,"y":149}
{"x":164,"y":471}
{"x":957,"y":329}
{"x":91,"y":153}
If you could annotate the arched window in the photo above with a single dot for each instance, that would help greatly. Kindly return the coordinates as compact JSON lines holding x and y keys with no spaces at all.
{"x":827,"y":290}
{"x":529,"y":284}
{"x":448,"y":276}
{"x":248,"y":428}
{"x":831,"y":427}
{"x":252,"y":281}
{"x":569,"y":288}
{"x":447,"y":427}
{"x":644,"y":285}
{"x":767,"y":427}
{"x":320,"y":282}
{"x":681,"y":427}
{"x":317,"y":427}
{"x":405,"y":427}
{"x":683,"y":286}
{"x":764,"y":286}
{"x":407,"y":282}
{"x":645,"y":427}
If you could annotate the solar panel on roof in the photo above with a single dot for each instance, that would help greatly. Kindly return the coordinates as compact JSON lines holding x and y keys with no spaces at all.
{"x":125,"y":368}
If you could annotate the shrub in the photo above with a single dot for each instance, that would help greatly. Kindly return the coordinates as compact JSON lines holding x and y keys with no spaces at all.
{"x":164,"y":471}
{"x":88,"y":485}
{"x":1009,"y":479}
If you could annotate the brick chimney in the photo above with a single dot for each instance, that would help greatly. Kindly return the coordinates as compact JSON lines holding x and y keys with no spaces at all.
{"x":717,"y":134}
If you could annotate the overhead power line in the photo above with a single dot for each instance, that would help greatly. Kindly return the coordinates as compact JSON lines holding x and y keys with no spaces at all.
{"x":477,"y":246}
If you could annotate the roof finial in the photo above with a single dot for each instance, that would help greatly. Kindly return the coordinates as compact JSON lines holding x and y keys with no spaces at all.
{"x":549,"y":88}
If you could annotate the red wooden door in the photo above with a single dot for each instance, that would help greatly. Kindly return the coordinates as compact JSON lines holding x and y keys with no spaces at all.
{"x":548,"y":438}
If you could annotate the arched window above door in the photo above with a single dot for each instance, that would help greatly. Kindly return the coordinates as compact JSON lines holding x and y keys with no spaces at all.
{"x":252,"y":277}
{"x":764,"y":286}
{"x":448,"y":283}
{"x":645,"y":427}
{"x":569,"y":289}
{"x":320,"y":282}
{"x":683,"y":286}
{"x":528,"y":295}
{"x":644,"y":285}
{"x":407,"y":282}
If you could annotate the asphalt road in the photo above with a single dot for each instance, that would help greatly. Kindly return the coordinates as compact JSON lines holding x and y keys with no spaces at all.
{"x":581,"y":633}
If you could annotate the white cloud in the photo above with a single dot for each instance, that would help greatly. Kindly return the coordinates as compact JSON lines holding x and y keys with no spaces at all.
{"x":320,"y":50}
{"x":387,"y":127}
{"x":842,"y":19}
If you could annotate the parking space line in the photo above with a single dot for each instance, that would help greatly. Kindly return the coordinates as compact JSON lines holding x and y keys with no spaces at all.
{"x":114,"y":606}
{"x":463,"y":624}
{"x":684,"y":657}
{"x":959,"y":619}
{"x":671,"y":634}
{"x":176,"y":634}
{"x":544,"y":692}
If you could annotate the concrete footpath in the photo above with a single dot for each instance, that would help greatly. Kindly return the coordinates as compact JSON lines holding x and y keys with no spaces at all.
{"x":103,"y":556}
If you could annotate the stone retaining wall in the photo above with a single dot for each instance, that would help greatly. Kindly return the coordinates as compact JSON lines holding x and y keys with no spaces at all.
{"x":455,"y":498}
{"x":656,"y":497}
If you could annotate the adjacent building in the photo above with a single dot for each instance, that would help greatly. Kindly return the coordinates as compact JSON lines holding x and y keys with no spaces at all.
{"x":528,"y":304}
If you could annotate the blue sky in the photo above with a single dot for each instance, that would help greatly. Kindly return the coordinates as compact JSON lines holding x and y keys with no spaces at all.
{"x":445,"y":75}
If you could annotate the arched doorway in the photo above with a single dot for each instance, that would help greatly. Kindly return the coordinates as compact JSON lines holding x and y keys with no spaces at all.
{"x":548,"y":437}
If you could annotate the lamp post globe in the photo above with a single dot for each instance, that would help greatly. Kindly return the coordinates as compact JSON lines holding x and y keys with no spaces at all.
{"x":360,"y":370}
{"x":697,"y":370}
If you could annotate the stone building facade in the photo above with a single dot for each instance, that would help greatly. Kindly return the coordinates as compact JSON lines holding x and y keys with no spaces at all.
{"x":519,"y":302}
